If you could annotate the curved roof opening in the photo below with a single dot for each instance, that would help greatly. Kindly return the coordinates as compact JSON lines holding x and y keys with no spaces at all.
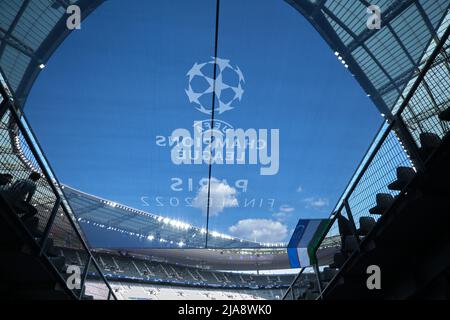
{"x":238,"y":121}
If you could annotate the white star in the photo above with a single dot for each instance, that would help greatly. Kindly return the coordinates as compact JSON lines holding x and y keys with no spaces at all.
{"x":223,"y":107}
{"x":193,"y":97}
{"x":238,"y":92}
{"x":240,"y":74}
{"x":211,"y":85}
{"x":222,"y":63}
{"x":219,"y":86}
{"x":202,"y":109}
{"x":195,"y":71}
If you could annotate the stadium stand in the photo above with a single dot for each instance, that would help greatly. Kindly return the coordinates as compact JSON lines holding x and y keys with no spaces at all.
{"x":141,"y":270}
{"x":132,"y":291}
{"x":104,"y":217}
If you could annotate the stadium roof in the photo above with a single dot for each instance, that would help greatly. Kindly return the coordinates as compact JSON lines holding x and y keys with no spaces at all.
{"x":141,"y":229}
{"x":215,"y":259}
{"x":30,"y":31}
{"x":385,"y":60}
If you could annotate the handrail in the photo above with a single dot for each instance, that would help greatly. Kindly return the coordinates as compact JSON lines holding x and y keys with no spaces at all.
{"x":46,"y":170}
{"x":395,"y":124}
{"x":289,"y":290}
{"x":339,"y":203}
{"x":391,"y":126}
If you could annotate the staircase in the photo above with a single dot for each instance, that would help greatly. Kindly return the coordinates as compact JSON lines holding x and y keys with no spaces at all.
{"x":25,"y":272}
{"x":410,"y":243}
{"x":31,"y":266}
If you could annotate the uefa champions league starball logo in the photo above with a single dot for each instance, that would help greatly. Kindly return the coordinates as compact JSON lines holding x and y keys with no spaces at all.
{"x":216,"y":141}
{"x":227,"y":88}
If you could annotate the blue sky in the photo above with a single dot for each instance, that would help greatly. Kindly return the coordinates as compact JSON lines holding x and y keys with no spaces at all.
{"x":119,"y":83}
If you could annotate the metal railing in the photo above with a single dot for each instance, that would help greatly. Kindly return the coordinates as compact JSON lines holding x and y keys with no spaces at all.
{"x":21,"y":154}
{"x":397,"y":144}
{"x":298,"y":285}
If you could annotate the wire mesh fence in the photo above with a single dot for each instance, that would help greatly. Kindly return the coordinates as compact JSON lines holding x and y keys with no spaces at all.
{"x":19,"y":157}
{"x":379,"y":174}
{"x":420,"y":114}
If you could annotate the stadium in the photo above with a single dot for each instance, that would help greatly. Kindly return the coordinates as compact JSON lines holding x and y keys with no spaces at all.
{"x":211,"y":208}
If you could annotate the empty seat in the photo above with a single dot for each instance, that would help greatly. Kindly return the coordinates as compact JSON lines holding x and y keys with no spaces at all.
{"x":404,"y":176}
{"x":365,"y":225}
{"x":345,"y":228}
{"x":384,"y":201}
{"x":350,"y":244}
{"x":445,"y":115}
{"x":429,"y":142}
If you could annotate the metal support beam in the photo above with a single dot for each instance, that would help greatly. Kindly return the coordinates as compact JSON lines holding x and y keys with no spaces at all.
{"x":18,"y":45}
{"x":3,"y":108}
{"x":13,"y":25}
{"x":85,"y":210}
{"x":319,"y":281}
{"x":323,"y":26}
{"x":57,"y":35}
{"x":427,"y":21}
{"x":351,"y":219}
{"x":49,"y":225}
{"x":121,"y":219}
{"x":83,"y":278}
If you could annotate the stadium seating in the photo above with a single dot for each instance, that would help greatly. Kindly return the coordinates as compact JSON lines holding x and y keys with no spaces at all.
{"x":391,"y":247}
{"x":429,"y":142}
{"x":404,"y":177}
{"x":143,"y":291}
{"x":142,"y":270}
{"x":21,"y":251}
{"x":384,"y":201}
{"x":366,"y":224}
